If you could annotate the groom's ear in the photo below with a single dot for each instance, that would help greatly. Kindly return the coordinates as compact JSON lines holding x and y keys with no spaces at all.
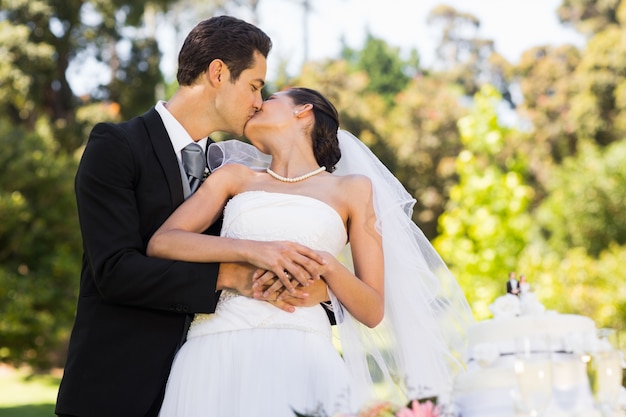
{"x":216,"y":72}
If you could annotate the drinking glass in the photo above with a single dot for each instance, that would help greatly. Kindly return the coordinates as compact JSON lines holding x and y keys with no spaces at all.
{"x":533,"y":370}
{"x":604,"y":369}
{"x":569,"y":380}
{"x":607,"y":339}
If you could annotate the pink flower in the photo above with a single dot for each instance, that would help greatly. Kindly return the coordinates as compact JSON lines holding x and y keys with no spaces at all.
{"x":405,"y":412}
{"x":387,"y":409}
{"x":426,"y":409}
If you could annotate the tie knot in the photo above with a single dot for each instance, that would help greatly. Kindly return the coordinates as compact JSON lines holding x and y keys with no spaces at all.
{"x":194,"y":160}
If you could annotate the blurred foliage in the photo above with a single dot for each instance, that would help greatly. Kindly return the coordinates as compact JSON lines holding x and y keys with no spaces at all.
{"x":595,"y":199}
{"x":486,"y":223}
{"x":133,"y":87}
{"x":582,"y":217}
{"x":387,"y":73}
{"x":575,"y":282}
{"x":43,"y":126}
{"x":599,"y":105}
{"x":542,"y":195}
{"x":421,"y":130}
{"x":40,"y":245}
{"x":465,"y":58}
{"x":546,"y":80}
{"x":589,"y":16}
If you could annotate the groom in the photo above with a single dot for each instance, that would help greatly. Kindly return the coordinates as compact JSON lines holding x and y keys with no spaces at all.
{"x":133,"y":311}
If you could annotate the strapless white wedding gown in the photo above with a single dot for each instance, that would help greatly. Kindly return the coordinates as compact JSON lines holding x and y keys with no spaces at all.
{"x":250,"y":358}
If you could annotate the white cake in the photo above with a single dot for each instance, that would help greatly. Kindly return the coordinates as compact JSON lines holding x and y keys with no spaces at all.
{"x":564,"y":332}
{"x":490,"y":386}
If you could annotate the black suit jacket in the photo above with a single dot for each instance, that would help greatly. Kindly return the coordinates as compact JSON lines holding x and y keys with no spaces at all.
{"x":133,"y":311}
{"x":509,"y":287}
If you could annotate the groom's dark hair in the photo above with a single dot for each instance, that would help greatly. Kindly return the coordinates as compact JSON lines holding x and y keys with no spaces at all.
{"x":325,"y":126}
{"x":232,"y":40}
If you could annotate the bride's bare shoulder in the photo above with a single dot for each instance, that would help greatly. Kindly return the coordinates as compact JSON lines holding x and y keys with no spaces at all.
{"x":233,"y":169}
{"x":355,"y":182}
{"x":231,"y":177}
{"x":355,"y":189}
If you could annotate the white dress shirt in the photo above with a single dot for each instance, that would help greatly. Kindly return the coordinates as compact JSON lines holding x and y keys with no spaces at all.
{"x":179,"y":138}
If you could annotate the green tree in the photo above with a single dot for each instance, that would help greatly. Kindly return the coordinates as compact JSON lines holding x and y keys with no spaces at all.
{"x":593,"y":285}
{"x":486,"y":224}
{"x":461,"y":54}
{"x":39,"y":245}
{"x":35,"y":40}
{"x":546,"y":78}
{"x":590,"y":188}
{"x":134,"y":86}
{"x":599,"y":107}
{"x":458,"y":32}
{"x":589,"y":16}
{"x":42,"y":128}
{"x":388,"y":73}
{"x":41,"y":38}
{"x":421,"y":129}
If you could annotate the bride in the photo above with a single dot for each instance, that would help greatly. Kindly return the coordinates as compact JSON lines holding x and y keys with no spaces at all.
{"x":401,"y":315}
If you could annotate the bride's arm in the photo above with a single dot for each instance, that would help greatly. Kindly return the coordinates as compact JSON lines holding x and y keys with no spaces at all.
{"x":180,"y":237}
{"x":362,"y":293}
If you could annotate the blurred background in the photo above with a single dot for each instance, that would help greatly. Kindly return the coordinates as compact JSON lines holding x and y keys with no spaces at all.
{"x":504,"y":118}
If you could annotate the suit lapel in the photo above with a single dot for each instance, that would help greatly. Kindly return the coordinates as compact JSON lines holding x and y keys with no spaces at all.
{"x":165,"y":154}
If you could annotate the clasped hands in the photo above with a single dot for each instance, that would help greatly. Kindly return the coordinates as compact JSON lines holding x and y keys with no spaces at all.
{"x":286,"y":274}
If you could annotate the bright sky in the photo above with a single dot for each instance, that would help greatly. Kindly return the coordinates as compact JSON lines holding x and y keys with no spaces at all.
{"x":514,"y":25}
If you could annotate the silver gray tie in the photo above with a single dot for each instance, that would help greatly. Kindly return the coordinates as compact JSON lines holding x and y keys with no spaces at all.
{"x":194,"y":163}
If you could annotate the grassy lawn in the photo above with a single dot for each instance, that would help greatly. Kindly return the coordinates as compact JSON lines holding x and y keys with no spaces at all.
{"x":23,"y":395}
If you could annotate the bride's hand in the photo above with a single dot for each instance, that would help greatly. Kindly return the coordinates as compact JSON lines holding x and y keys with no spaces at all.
{"x":267,"y":287}
{"x":314,"y":294}
{"x":291,"y":263}
{"x":299,"y":298}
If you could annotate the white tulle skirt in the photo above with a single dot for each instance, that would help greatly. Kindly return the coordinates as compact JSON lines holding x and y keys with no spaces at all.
{"x":252,"y":359}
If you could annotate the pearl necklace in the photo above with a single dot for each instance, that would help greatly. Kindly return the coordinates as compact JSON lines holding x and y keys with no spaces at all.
{"x":295,"y":179}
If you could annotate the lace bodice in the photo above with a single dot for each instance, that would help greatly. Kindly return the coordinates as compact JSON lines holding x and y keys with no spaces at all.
{"x":266,"y":216}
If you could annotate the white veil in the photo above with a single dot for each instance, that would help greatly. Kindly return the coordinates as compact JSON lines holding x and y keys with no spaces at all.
{"x":417,"y":348}
{"x":419,"y":345}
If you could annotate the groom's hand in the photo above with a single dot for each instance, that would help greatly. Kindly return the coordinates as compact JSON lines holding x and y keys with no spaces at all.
{"x":238,"y":277}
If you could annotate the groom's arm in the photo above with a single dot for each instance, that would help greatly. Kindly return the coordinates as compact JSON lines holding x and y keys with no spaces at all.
{"x":120,"y":199}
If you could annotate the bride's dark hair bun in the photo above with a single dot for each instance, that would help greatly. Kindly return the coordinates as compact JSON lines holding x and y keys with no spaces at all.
{"x":325,"y":127}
